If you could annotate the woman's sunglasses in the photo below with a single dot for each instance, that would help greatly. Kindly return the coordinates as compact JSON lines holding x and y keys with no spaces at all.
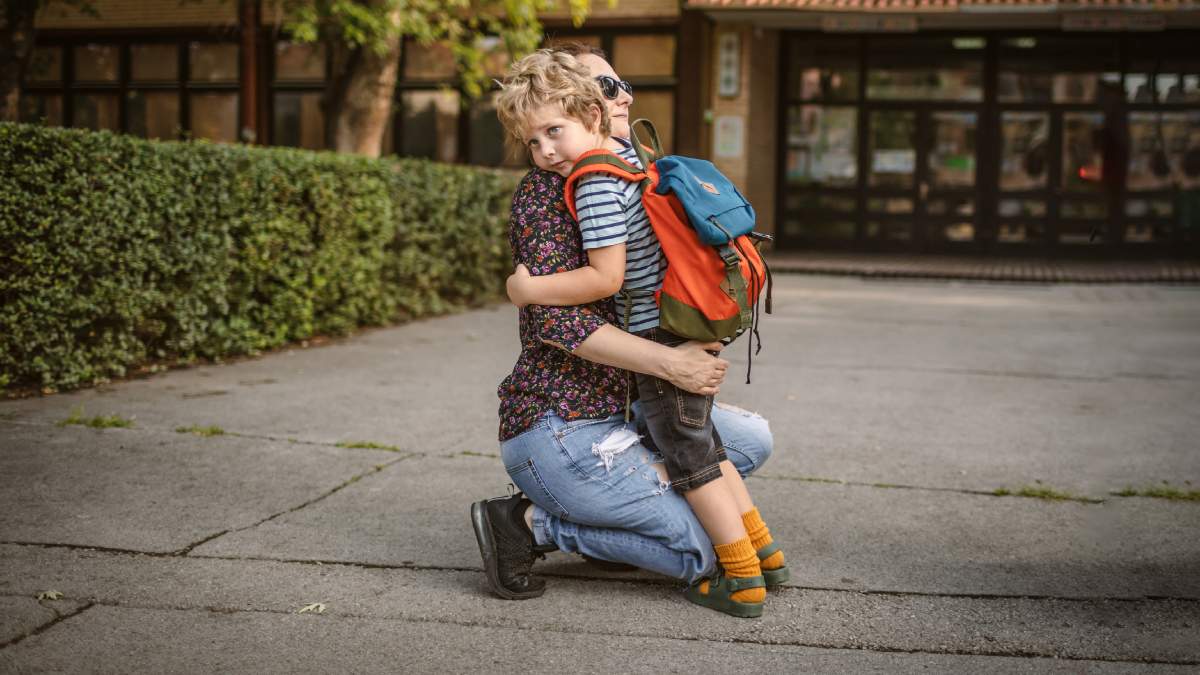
{"x":610,"y":85}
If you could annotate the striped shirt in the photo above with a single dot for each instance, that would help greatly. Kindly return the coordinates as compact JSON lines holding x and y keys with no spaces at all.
{"x":610,"y":212}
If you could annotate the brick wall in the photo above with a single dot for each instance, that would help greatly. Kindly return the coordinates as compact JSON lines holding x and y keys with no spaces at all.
{"x":163,"y":13}
{"x":624,"y":9}
{"x":141,"y":14}
{"x":754,"y":171}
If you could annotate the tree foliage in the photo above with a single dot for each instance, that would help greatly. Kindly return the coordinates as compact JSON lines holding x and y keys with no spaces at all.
{"x":461,"y":24}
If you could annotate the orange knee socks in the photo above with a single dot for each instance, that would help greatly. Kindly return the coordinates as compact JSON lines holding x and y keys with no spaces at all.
{"x":760,"y":536}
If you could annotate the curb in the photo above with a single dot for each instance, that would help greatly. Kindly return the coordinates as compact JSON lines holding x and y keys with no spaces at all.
{"x":1015,"y":271}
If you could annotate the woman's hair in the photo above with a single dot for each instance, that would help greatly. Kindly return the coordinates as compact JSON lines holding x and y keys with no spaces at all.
{"x":548,"y":77}
{"x":577,"y":48}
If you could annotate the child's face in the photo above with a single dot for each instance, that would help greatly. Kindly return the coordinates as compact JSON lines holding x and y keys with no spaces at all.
{"x":555,"y":140}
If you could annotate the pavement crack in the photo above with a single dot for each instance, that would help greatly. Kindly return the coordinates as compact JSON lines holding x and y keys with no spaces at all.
{"x":415,"y":567}
{"x":348,"y":482}
{"x":58,"y":618}
{"x":927,"y":488}
{"x":1023,"y":375}
{"x":760,"y":642}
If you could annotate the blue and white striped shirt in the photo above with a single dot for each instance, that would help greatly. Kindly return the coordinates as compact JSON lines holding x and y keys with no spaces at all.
{"x":610,"y":212}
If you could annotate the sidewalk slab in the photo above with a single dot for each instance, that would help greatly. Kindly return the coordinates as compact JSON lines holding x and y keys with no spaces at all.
{"x":857,"y":538}
{"x":417,"y":387}
{"x":614,"y":611}
{"x":135,"y":640}
{"x":156,"y":491}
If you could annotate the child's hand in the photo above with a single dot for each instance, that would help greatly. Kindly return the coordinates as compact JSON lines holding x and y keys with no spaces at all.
{"x":516,"y":286}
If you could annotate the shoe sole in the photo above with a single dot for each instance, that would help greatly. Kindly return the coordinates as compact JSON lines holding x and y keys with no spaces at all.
{"x":482,"y":525}
{"x":741,"y":610}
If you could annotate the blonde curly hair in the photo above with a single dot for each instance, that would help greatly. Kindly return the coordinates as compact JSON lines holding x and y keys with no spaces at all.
{"x":545,"y":77}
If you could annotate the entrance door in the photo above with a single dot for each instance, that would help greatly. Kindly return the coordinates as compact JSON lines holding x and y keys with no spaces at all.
{"x":921,"y":176}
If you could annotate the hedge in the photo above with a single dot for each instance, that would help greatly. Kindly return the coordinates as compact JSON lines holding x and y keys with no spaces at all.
{"x":116,"y":252}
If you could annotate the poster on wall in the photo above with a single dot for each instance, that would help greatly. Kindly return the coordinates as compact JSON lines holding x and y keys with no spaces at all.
{"x":729,"y":132}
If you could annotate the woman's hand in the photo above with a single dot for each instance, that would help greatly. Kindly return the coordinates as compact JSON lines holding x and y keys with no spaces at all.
{"x":516,"y":284}
{"x":694,"y":367}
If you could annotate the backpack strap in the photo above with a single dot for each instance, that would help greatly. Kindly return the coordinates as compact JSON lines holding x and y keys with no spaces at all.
{"x":646,"y":154}
{"x":599,"y":161}
{"x":733,"y":275}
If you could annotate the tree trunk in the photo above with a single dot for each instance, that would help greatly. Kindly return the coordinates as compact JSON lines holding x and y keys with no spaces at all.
{"x":360,"y":118}
{"x":16,"y":48}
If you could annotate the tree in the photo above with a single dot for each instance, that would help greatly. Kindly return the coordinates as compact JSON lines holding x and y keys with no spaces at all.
{"x":364,"y":38}
{"x":17,"y":35}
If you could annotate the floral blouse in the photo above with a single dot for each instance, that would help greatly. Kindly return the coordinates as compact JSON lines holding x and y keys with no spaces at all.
{"x":545,"y":238}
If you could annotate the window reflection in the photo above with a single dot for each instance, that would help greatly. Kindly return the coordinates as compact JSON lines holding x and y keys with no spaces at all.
{"x":939,"y":84}
{"x":45,"y":66}
{"x":154,"y":114}
{"x":893,"y":153}
{"x":96,"y":111}
{"x":929,"y":69}
{"x":951,"y":160}
{"x":487,"y":143}
{"x":1163,"y":147}
{"x":299,"y":61}
{"x":428,"y":62}
{"x":97,"y":63}
{"x":214,"y":117}
{"x":822,"y":145}
{"x":1082,"y":158}
{"x":154,"y":63}
{"x":213,"y":62}
{"x":299,"y":121}
{"x":430,"y":125}
{"x":37,"y":108}
{"x":1025,"y":139}
{"x":824,"y":69}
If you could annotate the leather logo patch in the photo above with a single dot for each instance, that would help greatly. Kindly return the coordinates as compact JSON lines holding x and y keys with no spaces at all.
{"x":708,"y":186}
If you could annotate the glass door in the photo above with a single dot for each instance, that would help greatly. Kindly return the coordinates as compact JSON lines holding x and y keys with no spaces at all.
{"x":924,"y":100}
{"x":921,"y":183}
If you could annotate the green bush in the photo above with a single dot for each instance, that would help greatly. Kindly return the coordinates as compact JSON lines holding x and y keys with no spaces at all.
{"x":116,"y":251}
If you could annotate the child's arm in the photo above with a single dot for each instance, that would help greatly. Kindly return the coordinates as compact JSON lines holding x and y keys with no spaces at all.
{"x":600,"y":278}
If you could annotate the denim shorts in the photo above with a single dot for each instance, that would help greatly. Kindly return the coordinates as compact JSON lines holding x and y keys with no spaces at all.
{"x":680,"y":425}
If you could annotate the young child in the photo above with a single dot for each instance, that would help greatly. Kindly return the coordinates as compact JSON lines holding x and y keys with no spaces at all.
{"x":553,"y":107}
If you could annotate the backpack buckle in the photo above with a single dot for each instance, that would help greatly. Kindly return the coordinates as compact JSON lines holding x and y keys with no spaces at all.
{"x":730,"y":256}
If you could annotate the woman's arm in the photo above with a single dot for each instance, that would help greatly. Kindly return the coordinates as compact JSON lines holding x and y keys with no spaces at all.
{"x":689,"y":366}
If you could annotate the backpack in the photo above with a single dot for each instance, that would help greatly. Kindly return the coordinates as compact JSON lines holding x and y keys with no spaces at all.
{"x":705,"y":226}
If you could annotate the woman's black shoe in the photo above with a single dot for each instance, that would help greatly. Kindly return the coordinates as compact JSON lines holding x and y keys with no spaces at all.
{"x":507,"y":547}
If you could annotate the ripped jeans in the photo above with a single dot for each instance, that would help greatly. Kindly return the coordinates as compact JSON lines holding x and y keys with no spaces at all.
{"x":595,"y":490}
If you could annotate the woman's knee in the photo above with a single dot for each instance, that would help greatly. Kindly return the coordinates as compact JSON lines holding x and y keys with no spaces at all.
{"x":746,"y":436}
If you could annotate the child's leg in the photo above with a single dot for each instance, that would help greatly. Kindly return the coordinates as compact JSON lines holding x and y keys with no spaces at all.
{"x":773,"y":563}
{"x":680,"y":426}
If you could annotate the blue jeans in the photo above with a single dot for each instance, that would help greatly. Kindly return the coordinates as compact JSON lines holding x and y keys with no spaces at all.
{"x":593,"y":497}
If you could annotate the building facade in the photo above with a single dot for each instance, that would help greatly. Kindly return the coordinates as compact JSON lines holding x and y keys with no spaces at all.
{"x":1027,"y":127}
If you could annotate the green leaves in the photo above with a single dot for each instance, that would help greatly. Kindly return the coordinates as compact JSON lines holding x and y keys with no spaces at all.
{"x":118,"y":254}
{"x":457,"y":23}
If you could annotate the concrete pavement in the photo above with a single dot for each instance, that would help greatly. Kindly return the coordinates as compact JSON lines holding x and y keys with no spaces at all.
{"x":900,"y":408}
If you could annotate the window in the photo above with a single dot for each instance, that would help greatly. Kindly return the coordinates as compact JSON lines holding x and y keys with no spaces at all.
{"x":298,"y":83}
{"x":146,"y":86}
